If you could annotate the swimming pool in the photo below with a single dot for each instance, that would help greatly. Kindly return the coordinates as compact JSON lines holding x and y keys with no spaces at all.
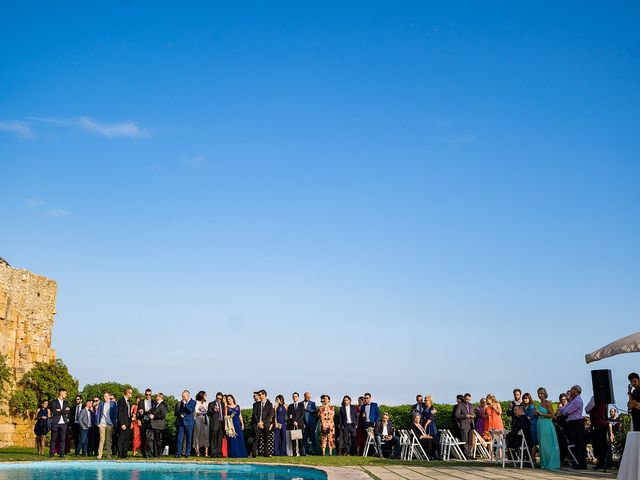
{"x":89,"y":470}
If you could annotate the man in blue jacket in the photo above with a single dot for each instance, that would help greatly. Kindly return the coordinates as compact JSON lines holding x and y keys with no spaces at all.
{"x":370,"y":412}
{"x":184,"y":423}
{"x":106,"y":419}
{"x":310,"y":423}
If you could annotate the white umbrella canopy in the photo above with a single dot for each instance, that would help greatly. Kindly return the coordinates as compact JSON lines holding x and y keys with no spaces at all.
{"x":628,"y":344}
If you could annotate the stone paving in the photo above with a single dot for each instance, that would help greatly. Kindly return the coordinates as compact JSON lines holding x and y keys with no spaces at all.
{"x":462,"y":472}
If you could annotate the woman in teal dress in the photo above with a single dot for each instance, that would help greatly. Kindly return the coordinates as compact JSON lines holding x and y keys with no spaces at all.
{"x":547,"y":438}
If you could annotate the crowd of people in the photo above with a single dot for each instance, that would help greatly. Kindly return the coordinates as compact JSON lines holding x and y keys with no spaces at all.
{"x":106,"y":427}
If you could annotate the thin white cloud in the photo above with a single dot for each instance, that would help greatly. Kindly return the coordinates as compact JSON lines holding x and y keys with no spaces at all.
{"x":199,"y":161}
{"x":460,"y":139}
{"x":126,"y":129}
{"x":34,"y":202}
{"x":56,"y":213}
{"x":88,"y":124}
{"x":16,"y":127}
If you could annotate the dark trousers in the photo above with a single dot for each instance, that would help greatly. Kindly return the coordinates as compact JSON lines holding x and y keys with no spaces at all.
{"x":431,"y":447}
{"x":600,"y":444}
{"x":156,"y":442}
{"x":58,"y":437}
{"x":94,"y":440}
{"x":123,"y":441}
{"x":184,"y":432}
{"x":576,"y":436}
{"x":75,"y":433}
{"x":83,"y":442}
{"x":309,"y":436}
{"x":348,"y":437}
{"x":217,"y":433}
{"x":395,"y":445}
{"x":466,"y":436}
{"x":144,"y":428}
{"x":146,"y":437}
{"x":260,"y":433}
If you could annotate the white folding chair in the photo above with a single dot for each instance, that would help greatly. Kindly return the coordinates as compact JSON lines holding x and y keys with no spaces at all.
{"x":415,"y":448}
{"x":452,"y":444}
{"x":499,"y":445}
{"x":479,"y":447}
{"x":371,"y":440}
{"x":524,"y":450}
{"x":405,"y":444}
{"x":570,"y":448}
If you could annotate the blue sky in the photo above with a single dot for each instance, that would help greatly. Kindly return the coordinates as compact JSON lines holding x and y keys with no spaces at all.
{"x":418,"y":197}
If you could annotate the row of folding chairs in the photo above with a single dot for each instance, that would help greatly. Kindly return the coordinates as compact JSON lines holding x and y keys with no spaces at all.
{"x":410,"y":447}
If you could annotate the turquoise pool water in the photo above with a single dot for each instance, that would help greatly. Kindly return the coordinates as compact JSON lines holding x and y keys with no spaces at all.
{"x":153,"y":471}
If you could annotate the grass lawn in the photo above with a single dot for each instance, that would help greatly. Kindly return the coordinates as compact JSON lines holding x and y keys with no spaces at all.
{"x":22,"y":454}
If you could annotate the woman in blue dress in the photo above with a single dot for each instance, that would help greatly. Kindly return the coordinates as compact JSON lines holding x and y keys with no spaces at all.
{"x":547,"y":438}
{"x":233,"y":429}
{"x":530,"y":413}
{"x":430,"y":416}
{"x":280,"y":428}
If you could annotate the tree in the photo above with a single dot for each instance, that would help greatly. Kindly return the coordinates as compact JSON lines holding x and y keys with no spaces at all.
{"x":114,"y":388}
{"x":40,"y":383}
{"x":6,"y":377}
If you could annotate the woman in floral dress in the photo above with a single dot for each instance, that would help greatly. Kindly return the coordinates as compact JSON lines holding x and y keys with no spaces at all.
{"x":327,"y":427}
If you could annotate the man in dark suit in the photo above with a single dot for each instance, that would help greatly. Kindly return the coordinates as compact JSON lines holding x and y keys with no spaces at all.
{"x":156,"y":425}
{"x":59,"y":419}
{"x":384,"y":432}
{"x":215,"y":411}
{"x":185,"y":422}
{"x":419,"y":408}
{"x":464,"y":416}
{"x":145,"y":407}
{"x":74,"y":422}
{"x":262,"y":417}
{"x":347,"y":421}
{"x":295,"y":420}
{"x":124,"y":423}
{"x":519,"y":422}
{"x":310,"y":422}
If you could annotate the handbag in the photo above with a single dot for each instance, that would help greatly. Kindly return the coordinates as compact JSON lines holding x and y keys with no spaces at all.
{"x":296,"y":435}
{"x":228,"y":426}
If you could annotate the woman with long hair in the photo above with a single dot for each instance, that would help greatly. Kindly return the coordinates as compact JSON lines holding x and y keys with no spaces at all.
{"x":480,"y":417}
{"x":136,"y":441}
{"x":493,"y":416}
{"x":547,"y":438}
{"x":361,"y":433}
{"x":42,"y":425}
{"x":280,"y":428}
{"x":234,"y":424}
{"x":201,"y":427}
{"x":529,"y":411}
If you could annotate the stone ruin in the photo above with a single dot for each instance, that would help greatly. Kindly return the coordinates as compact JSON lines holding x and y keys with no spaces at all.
{"x":27,"y":307}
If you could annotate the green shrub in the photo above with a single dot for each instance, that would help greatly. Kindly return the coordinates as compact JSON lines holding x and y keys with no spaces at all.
{"x":40,"y":383}
{"x":114,"y":388}
{"x":6,"y":376}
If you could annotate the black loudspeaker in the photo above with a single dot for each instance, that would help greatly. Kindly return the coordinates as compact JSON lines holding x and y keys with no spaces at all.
{"x":602,"y":386}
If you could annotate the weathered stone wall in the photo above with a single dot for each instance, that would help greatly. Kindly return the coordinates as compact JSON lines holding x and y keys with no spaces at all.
{"x":27,"y":307}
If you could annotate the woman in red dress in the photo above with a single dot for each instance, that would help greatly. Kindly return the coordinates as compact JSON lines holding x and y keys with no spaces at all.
{"x":361,"y":434}
{"x":135,"y":426}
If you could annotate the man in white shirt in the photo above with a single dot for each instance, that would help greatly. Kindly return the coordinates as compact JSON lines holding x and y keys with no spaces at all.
{"x":59,"y":411}
{"x":347,"y":420}
{"x":384,"y":432}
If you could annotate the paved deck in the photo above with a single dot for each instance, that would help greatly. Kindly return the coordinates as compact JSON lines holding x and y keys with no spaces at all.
{"x":462,"y":472}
